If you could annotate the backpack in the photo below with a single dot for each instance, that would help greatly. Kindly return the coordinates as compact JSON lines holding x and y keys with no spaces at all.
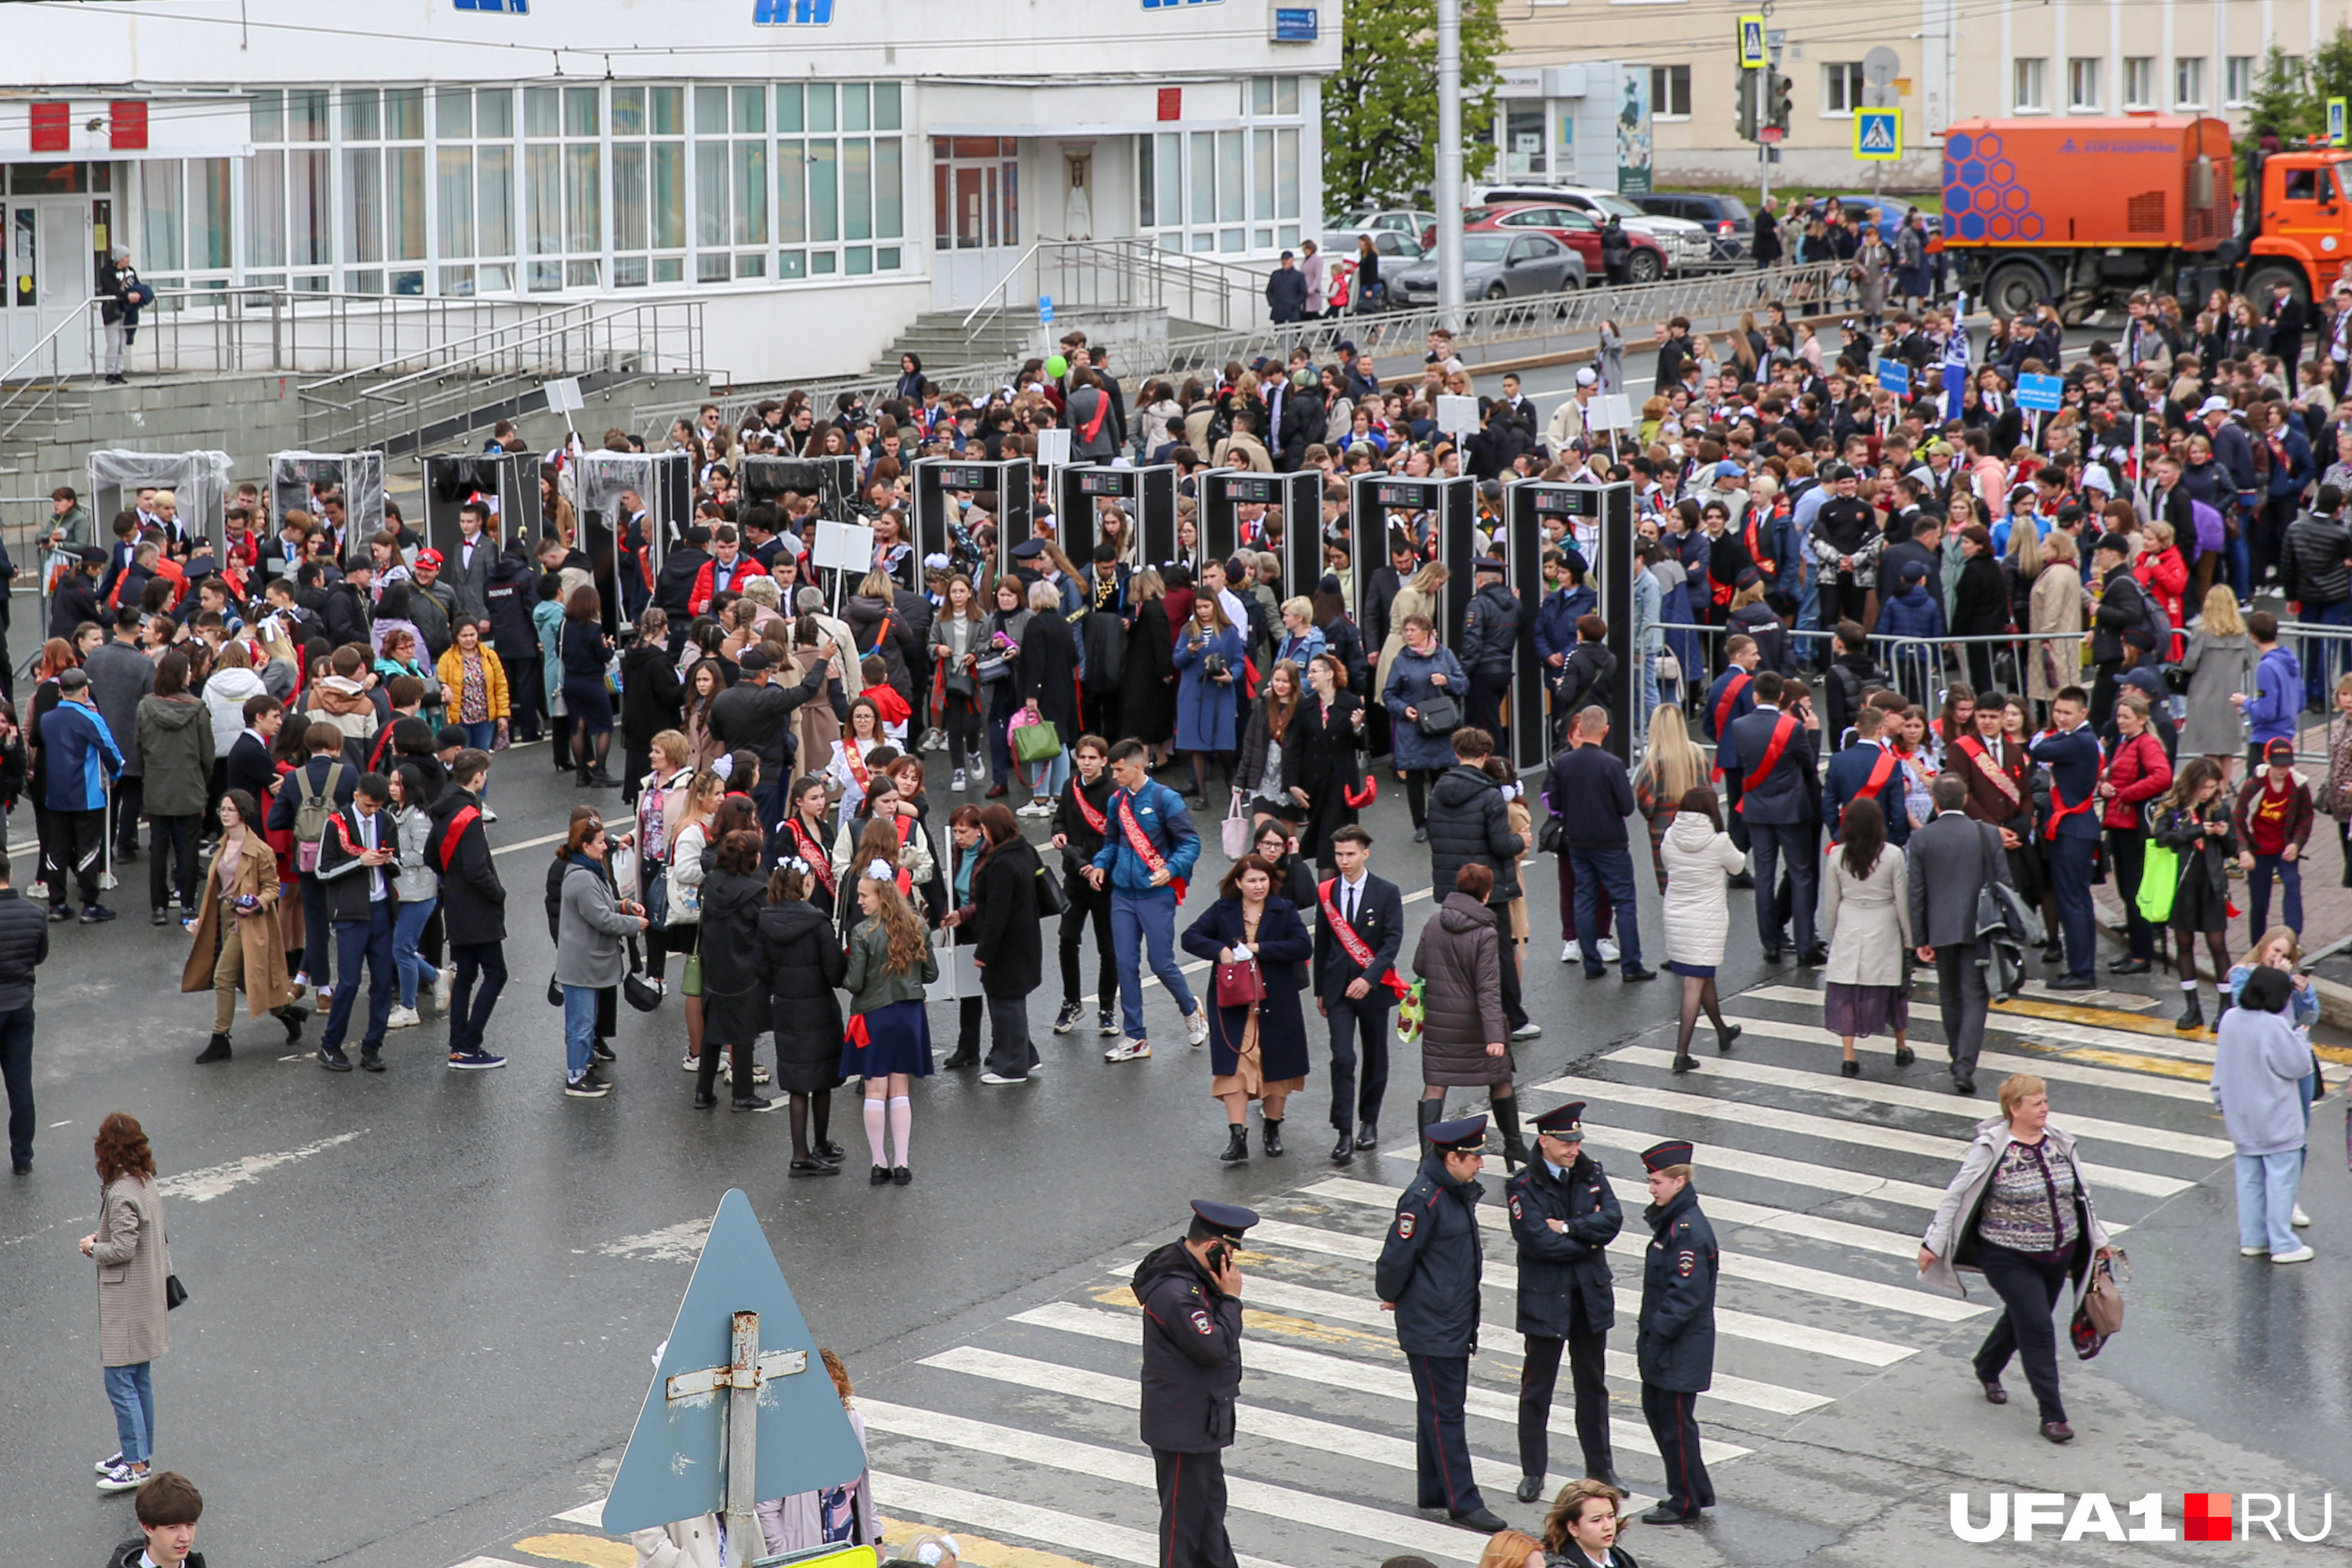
{"x":2160,"y":625}
{"x":312,"y":813}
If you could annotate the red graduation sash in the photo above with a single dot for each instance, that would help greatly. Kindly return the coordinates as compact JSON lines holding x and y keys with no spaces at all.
{"x":1141,"y":842}
{"x":1975,"y":752}
{"x":1782,"y":730}
{"x":1731,"y":690}
{"x":1358,"y":950}
{"x":1880,"y":772}
{"x":1094,"y":819}
{"x":460,"y":820}
{"x":806,"y":849}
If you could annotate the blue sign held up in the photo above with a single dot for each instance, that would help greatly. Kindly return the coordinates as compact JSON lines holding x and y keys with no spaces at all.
{"x":2039,"y":394}
{"x":1045,"y":309}
{"x":792,"y":13}
{"x":1895,"y":375}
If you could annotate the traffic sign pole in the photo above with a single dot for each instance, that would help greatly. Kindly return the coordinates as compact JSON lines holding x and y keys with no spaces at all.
{"x":743,"y":1440}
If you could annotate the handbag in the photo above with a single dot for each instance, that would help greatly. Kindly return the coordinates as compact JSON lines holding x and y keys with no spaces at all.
{"x":2160,"y":883}
{"x":1441,"y":715}
{"x":2098,"y":1307}
{"x":1551,"y":836}
{"x":554,"y":992}
{"x":689,"y":980}
{"x":1038,"y":742}
{"x":1053,"y":897}
{"x":174,"y":1293}
{"x":1234,"y":834}
{"x":1240,"y":985}
{"x":638,"y":993}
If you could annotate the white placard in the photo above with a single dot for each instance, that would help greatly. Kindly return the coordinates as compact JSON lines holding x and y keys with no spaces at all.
{"x":843,"y":546}
{"x":1053,"y":449}
{"x":1457,"y":414}
{"x":1609,"y":411}
{"x":564,"y":395}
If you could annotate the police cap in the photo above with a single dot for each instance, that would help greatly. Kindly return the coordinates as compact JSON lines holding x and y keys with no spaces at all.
{"x":1226,"y":1219}
{"x":1563,"y":1120}
{"x":1029,"y":550}
{"x":1659,"y":1156}
{"x":1457,"y":1136}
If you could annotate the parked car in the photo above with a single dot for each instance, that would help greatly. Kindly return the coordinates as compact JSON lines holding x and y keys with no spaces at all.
{"x":1891,"y":211}
{"x":1394,"y":244}
{"x":1728,"y":223}
{"x":1494,"y":265}
{"x":1408,"y":221}
{"x":1685,"y":242}
{"x":1578,"y":230}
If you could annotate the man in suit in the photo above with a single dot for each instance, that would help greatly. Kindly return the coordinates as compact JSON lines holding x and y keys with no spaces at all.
{"x":354,"y":854}
{"x":2288,"y":316}
{"x":2071,"y":751}
{"x":1952,"y":859}
{"x":1356,"y":944}
{"x":1775,"y":753}
{"x":467,"y":570}
{"x":1866,"y":768}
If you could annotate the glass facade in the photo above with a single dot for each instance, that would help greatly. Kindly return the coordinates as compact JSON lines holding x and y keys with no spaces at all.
{"x":1231,"y":192}
{"x":544,"y":188}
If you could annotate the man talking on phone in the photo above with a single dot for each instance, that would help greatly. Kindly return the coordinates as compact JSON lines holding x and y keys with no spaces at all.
{"x":1191,"y":1296}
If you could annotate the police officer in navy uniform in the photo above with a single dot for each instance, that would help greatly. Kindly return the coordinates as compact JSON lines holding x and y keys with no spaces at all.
{"x":1676,"y":1347}
{"x":1563,"y":1216}
{"x":1428,"y":1276}
{"x":1191,"y":1296}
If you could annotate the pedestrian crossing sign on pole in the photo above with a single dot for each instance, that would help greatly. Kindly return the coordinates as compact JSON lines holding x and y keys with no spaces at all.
{"x":1752,"y":56}
{"x":2335,"y":126}
{"x":1879,"y":134}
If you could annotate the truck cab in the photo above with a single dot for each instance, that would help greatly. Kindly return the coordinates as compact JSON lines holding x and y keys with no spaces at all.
{"x":2297,"y":221}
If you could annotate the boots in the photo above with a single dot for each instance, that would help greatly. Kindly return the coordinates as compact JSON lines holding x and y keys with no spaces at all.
{"x":290,"y":1015}
{"x":1271,"y":1127}
{"x":1507,"y":1119}
{"x":581,"y":779}
{"x":2193,"y":1017}
{"x":1428,"y":1111}
{"x":1236,"y":1144}
{"x":215,"y":1050}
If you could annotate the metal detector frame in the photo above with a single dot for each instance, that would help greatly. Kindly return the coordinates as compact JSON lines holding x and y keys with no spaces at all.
{"x":1150,"y":495}
{"x":1300,"y":495}
{"x":359,"y":474}
{"x":517,"y":491}
{"x":763,"y":477}
{"x":1455,"y":502}
{"x":1526,"y":502}
{"x":1013,"y":480}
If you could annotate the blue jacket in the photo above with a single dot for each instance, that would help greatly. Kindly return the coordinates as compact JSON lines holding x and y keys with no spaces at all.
{"x":1556,"y":621}
{"x":1166,"y":821}
{"x":1204,"y":707}
{"x":1912,"y":613}
{"x":1849,"y":770}
{"x":1409,"y":687}
{"x":1785,"y":795}
{"x":81,"y":757}
{"x":1676,"y":1344}
{"x":2072,"y":758}
{"x":2291,"y":479}
{"x":2277,"y":696}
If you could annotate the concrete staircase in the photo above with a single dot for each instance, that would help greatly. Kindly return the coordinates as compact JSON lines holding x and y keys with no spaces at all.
{"x":941,"y":339}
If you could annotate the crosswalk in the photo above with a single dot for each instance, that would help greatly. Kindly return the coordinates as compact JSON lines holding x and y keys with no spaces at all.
{"x":1023,"y":1434}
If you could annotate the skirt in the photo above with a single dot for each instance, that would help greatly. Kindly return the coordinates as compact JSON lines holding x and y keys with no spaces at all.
{"x":2196,"y":907}
{"x":1864,"y":1010}
{"x":898,"y":1039}
{"x":589,"y":703}
{"x":1249,"y":1077}
{"x":1691,"y":971}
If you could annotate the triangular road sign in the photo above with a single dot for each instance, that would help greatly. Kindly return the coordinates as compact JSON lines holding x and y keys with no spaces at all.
{"x":675,"y":1466}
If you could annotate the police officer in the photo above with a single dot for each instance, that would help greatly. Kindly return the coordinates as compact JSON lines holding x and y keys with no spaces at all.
{"x":1676,"y":1348}
{"x":1563,"y":1216}
{"x":1428,"y":1276}
{"x":1191,"y":1296}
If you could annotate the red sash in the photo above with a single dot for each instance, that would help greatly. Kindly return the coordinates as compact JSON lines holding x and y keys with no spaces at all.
{"x":1782,"y":730}
{"x":1731,"y":690}
{"x":1094,"y":819}
{"x":1977,"y":752}
{"x":1360,"y":953}
{"x":464,"y":817}
{"x":1141,"y":842}
{"x":808,"y":851}
{"x":1880,"y":772}
{"x":2059,"y":811}
{"x":857,"y":768}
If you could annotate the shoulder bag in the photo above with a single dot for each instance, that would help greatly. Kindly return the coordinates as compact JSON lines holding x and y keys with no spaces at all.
{"x":2099,"y":1307}
{"x":1240,"y":985}
{"x":1440,"y":715}
{"x":1053,"y":899}
{"x":1233,"y":833}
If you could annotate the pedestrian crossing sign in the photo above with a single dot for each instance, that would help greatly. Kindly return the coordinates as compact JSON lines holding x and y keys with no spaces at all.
{"x":1751,"y":43}
{"x":2335,"y":129}
{"x":1879,"y":134}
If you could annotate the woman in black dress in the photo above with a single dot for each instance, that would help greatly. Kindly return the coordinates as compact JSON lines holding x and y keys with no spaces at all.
{"x":735,"y":1010}
{"x":586,"y":651}
{"x":1323,"y":765}
{"x":1147,"y":698}
{"x":805,"y":962}
{"x":2192,"y":819}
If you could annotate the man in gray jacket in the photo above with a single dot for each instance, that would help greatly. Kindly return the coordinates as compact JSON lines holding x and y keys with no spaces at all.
{"x":1952,"y":859}
{"x":119,"y":675}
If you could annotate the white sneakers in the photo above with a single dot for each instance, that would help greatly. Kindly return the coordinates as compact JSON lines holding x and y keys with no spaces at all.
{"x":402,"y":1018}
{"x":1040,"y":807}
{"x":1196,"y":1027}
{"x":1568,"y":952}
{"x":1526,"y":1031}
{"x":957,"y":783}
{"x":1608,"y":947}
{"x":1128,"y":1051}
{"x":2300,"y":1218}
{"x":2300,"y":1255}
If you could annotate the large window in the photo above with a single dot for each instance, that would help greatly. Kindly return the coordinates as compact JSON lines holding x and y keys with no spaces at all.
{"x":1229,"y":191}
{"x":1670,"y":92}
{"x":1841,"y":86}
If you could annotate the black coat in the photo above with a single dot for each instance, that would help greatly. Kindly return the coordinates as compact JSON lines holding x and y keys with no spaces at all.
{"x":1468,"y":821}
{"x":1147,"y":695}
{"x":511,"y":592}
{"x":1010,"y":938}
{"x":473,"y":899}
{"x":805,"y":960}
{"x":348,"y":614}
{"x":650,"y":691}
{"x":1980,"y":601}
{"x":23,"y":947}
{"x":1676,"y":1345}
{"x":1561,"y":1270}
{"x":674,"y":584}
{"x":1191,"y":1354}
{"x":735,"y":1008}
{"x":1048,"y":673}
{"x":1322,"y":751}
{"x":1431,"y":1262}
{"x":1283,"y":950}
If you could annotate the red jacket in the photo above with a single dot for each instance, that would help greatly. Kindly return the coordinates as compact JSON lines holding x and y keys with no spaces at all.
{"x":2166,"y":577}
{"x":747,"y":566}
{"x":2139,"y":772}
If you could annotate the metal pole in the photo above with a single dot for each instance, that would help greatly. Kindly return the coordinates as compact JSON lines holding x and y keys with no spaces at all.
{"x":1758,"y":89}
{"x":1449,"y":163}
{"x":743,"y":1441}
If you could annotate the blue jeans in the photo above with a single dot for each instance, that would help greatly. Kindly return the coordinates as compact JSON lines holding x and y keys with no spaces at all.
{"x":1141,"y":921}
{"x":2258,"y":894}
{"x":2266,"y":1188}
{"x":1649,"y":697}
{"x":2323,"y":656}
{"x":407,"y":927}
{"x":132,"y":1391}
{"x":578,"y":1030}
{"x":16,"y":1072}
{"x":1055,"y":773}
{"x":481,"y":736}
{"x":355,"y":940}
{"x":1609,"y":869}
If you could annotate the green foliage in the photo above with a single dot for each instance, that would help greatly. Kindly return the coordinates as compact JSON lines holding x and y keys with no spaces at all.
{"x":1380,"y":141}
{"x":2293,"y":103}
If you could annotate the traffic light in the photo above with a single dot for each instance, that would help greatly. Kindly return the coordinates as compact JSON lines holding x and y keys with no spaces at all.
{"x":1746,"y":98}
{"x":1778,"y":90}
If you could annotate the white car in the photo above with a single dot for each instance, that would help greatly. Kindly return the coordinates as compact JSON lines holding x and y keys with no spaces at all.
{"x":1687,"y":245}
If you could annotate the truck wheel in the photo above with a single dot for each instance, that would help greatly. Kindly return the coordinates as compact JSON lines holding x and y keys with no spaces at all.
{"x":2260,"y":279}
{"x":2014,"y":288}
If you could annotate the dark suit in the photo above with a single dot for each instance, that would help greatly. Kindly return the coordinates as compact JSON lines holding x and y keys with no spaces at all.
{"x":1380,"y":924}
{"x":1778,"y":808}
{"x":1950,"y":857}
{"x":2072,"y":758}
{"x":1848,"y":772}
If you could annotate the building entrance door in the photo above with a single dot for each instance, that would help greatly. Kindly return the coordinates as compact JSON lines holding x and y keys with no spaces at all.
{"x":50,"y":277}
{"x":976,"y":217}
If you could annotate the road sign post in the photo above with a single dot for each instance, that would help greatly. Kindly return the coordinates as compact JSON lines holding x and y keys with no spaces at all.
{"x":1879,"y":134}
{"x":2337,"y":136}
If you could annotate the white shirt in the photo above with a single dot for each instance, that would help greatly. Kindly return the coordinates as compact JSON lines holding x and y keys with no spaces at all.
{"x":1351,"y":893}
{"x":377,"y":891}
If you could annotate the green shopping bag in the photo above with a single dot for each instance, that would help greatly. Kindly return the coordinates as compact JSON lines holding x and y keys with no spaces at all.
{"x":1038,"y":742}
{"x":2159,"y":879}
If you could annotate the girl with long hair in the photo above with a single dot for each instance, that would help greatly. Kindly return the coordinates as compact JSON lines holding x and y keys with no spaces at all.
{"x":805,"y":963}
{"x":237,"y":943}
{"x":689,"y":837}
{"x":1257,"y":782}
{"x":888,"y":1044}
{"x":852,"y":773}
{"x":1697,"y":912}
{"x":1671,"y":766}
{"x":587,"y":696}
{"x":1208,"y":659}
{"x":134,"y":1268}
{"x":1866,"y":920}
{"x":2192,"y":819}
{"x":957,"y":636}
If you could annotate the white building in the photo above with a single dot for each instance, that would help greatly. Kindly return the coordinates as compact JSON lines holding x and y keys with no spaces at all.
{"x":817,"y":173}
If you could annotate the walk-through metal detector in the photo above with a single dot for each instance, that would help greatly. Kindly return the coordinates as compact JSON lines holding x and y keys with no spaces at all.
{"x":509,"y":481}
{"x":1372,"y":499}
{"x":659,"y":480}
{"x":943,"y":483}
{"x":295,"y":478}
{"x":1608,"y":508}
{"x":832,"y":481}
{"x":1148,"y":496}
{"x":1225,"y":492}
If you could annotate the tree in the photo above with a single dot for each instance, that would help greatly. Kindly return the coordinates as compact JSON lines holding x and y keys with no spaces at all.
{"x":2290,"y":100}
{"x":1381,"y":110}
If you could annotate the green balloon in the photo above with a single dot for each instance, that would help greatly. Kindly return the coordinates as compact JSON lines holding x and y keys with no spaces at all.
{"x":1057,"y":367}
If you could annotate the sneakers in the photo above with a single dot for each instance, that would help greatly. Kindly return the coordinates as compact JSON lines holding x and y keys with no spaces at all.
{"x":2300,"y":1255}
{"x":333,"y":1060}
{"x":1040,"y":807}
{"x":444,"y":983}
{"x":402,"y":1018}
{"x":692,"y":1062}
{"x":475,"y":1061}
{"x":2300,"y":1218}
{"x":109,"y":1462}
{"x":120,"y":1478}
{"x":994,"y":1079}
{"x":158,"y":916}
{"x":1608,"y":946}
{"x":1107,"y":1024}
{"x":1067,"y":1018}
{"x":956,"y":782}
{"x":587,"y":1087}
{"x":1128,"y":1051}
{"x":1526,"y":1031}
{"x":59,"y":912}
{"x":1196,"y":1027}
{"x":488,"y":815}
{"x":1570,"y":953}
{"x":96,"y":914}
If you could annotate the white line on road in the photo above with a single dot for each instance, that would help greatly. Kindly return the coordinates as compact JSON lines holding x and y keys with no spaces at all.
{"x":203,"y":1187}
{"x":1089,"y":1538}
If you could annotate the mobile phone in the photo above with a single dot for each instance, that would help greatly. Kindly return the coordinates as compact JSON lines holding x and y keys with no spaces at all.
{"x":1218,"y":1257}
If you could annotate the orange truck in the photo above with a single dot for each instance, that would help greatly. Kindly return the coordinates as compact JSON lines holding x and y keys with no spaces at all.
{"x":2083,"y":212}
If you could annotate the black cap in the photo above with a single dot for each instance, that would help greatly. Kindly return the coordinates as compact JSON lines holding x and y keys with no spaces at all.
{"x":1327,"y":584}
{"x":698,"y":534}
{"x":92,"y":554}
{"x":2115,"y":542}
{"x":2280,"y":750}
{"x":1345,"y":346}
{"x":1457,"y":1136}
{"x":1563,"y":1120}
{"x":1226,"y":1219}
{"x":1672,"y":1152}
{"x":752,"y":659}
{"x":1488,"y":563}
{"x":1573,"y":559}
{"x":1749,"y":577}
{"x":1029,"y":550}
{"x":450,"y":735}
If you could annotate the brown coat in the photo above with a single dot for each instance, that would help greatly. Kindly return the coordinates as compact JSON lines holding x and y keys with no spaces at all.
{"x":1460,"y":957}
{"x":132,"y":1263}
{"x":265,"y":983}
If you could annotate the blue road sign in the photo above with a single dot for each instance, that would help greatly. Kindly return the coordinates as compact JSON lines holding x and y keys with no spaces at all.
{"x":675,"y":1466}
{"x":1879,"y":134}
{"x":1045,"y":309}
{"x":1895,"y":375}
{"x":2039,"y":392}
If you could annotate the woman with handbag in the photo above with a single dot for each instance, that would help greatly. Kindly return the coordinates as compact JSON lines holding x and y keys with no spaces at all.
{"x":2020,"y":1213}
{"x":956,"y":639}
{"x":1048,"y":689}
{"x":1147,"y":674}
{"x":966,"y":844}
{"x":888,"y":1042}
{"x":1323,"y":767}
{"x":1208,"y":660}
{"x":688,"y":836}
{"x":1257,"y":1032}
{"x":2192,"y":820}
{"x":2137,"y":773}
{"x":1423,"y":595}
{"x":1423,"y":691}
{"x":135,"y":1290}
{"x":802,"y":957}
{"x":1008,"y":943}
{"x":1258,"y":782}
{"x":237,"y":939}
{"x":996,"y":668}
{"x":736,"y":1009}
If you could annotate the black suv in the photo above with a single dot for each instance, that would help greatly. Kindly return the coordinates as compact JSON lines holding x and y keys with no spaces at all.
{"x":1728,"y":223}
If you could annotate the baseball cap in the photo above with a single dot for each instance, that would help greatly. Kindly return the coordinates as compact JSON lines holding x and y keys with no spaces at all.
{"x":449,"y":735}
{"x":1913,"y":571}
{"x":753,"y":659}
{"x":2212,"y":406}
{"x":2280,"y":750}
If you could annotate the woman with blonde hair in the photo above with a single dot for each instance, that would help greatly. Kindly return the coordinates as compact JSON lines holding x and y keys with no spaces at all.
{"x":888,"y":1043}
{"x":1422,"y":595}
{"x":1671,"y":766}
{"x":2054,"y":658}
{"x":2220,"y":660}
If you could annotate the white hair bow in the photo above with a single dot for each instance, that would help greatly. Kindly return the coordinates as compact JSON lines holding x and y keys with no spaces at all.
{"x":725,"y":766}
{"x":879,"y":871}
{"x":794,"y":863}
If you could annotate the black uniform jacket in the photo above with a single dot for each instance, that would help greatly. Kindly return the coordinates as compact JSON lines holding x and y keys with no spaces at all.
{"x":1676,"y":1348}
{"x":1430,"y":1263}
{"x":1191,"y":1354}
{"x":1559,"y":1267}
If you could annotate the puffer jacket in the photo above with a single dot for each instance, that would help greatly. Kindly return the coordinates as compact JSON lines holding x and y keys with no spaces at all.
{"x":2139,"y":772}
{"x":871,"y":620}
{"x":227,"y":691}
{"x":176,"y":742}
{"x":1459,"y":958}
{"x":1468,"y":821}
{"x":1697,"y":910}
{"x":2317,"y":549}
{"x":1912,"y":613}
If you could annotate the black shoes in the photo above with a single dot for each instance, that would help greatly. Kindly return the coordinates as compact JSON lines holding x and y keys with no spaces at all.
{"x":1995,"y":1393}
{"x":1483,"y":1520}
{"x":1904,"y":1056}
{"x":1607,"y":1475}
{"x":1530,"y":1488}
{"x":1236,"y":1144}
{"x":1771,"y":955}
{"x":2073,"y":983}
{"x":1343,"y":1151}
{"x":371,"y":1061}
{"x":333,"y":1060}
{"x":158,"y":917}
{"x":1684,"y":1063}
{"x":2192,"y":1019}
{"x":290,"y":1015}
{"x":878,"y":1177}
{"x":1963,"y":1083}
{"x":1723,"y":1038}
{"x":830,"y":1153}
{"x":1270,"y":1129}
{"x":901,"y":1176}
{"x":814,"y":1168}
{"x":960,"y":1059}
{"x":215,"y":1050}
{"x":1850,"y":1068}
{"x":1367,"y":1136}
{"x":1662,"y":1514}
{"x":705,"y":1101}
{"x":1741,"y":880}
{"x":1813,"y":957}
{"x":1639,"y":974}
{"x":751,"y":1102}
{"x":2130,"y":966}
{"x":95,"y":914}
{"x":603,"y":1053}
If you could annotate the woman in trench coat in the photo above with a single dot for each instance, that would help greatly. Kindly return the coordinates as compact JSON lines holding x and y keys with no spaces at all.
{"x":1866,"y":920}
{"x":133,"y":1264}
{"x":240,"y":888}
{"x":1255,"y":1051}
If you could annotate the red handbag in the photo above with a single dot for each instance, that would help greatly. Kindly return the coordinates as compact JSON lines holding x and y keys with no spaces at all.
{"x":1240,"y":985}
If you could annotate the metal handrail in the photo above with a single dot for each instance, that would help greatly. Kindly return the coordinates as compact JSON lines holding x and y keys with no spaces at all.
{"x":458,"y":351}
{"x":989,"y":300}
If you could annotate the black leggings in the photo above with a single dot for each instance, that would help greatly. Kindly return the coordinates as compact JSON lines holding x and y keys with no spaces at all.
{"x":2029,"y":1288}
{"x":1088,"y":906}
{"x":1416,"y":793}
{"x":172,"y":846}
{"x":964,"y":736}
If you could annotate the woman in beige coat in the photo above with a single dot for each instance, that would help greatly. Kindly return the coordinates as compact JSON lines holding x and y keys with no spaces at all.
{"x":240,"y":898}
{"x":2054,"y":607}
{"x":1425,"y":595}
{"x":1866,"y":920}
{"x":134,"y":1262}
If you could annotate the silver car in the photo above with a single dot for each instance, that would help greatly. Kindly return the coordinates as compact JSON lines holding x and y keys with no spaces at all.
{"x":1499,"y":267}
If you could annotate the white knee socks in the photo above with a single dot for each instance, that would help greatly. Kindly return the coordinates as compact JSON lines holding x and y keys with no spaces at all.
{"x":873,"y":1140}
{"x":902,"y":1121}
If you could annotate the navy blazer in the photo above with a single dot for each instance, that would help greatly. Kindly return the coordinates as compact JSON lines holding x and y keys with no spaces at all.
{"x":1848,"y":772}
{"x":1742,"y":705}
{"x":1380,"y":921}
{"x":1784,"y":797}
{"x":2072,"y":758}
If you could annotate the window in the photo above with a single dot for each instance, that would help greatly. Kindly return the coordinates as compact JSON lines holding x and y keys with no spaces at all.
{"x":2082,"y":83}
{"x":2189,"y":81}
{"x":1669,"y":94}
{"x":838,"y":185}
{"x":1238,"y":192}
{"x":2029,"y":85}
{"x":1523,"y":137}
{"x":2238,"y":79}
{"x":2140,"y":81}
{"x":1841,"y":87}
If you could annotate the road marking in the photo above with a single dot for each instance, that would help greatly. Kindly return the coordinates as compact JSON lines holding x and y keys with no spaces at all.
{"x":2091,"y":1127}
{"x":1828,"y":1129}
{"x":1796,"y":1173}
{"x":2187,"y":1046}
{"x":1093,"y":1538}
{"x":680,"y":1243}
{"x":539,"y":843}
{"x":1788,"y":1222}
{"x":591,"y":1514}
{"x":1334,"y":1514}
{"x":2163,"y":1088}
{"x":203,"y":1187}
{"x":589,"y":1551}
{"x":53,"y":1125}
